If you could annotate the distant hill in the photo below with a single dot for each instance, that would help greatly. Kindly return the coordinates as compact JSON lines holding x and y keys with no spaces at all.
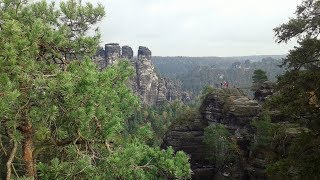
{"x":197,"y":72}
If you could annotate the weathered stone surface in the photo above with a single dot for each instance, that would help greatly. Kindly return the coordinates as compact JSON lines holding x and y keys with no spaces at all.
{"x":231,"y":108}
{"x":127,"y":52}
{"x":235,"y":111}
{"x":147,"y":80}
{"x":99,"y":58}
{"x":189,"y":138}
{"x":112,"y":53}
{"x":144,"y":53}
{"x":146,"y":83}
{"x":264,"y":91}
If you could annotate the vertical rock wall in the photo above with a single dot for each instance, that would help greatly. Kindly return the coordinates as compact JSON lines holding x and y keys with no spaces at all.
{"x":146,"y":83}
{"x":147,"y":80}
{"x":112,"y":53}
{"x":127,"y":52}
{"x":230,"y":108}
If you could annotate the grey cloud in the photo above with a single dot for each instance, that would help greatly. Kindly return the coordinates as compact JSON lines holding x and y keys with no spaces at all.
{"x":197,"y":28}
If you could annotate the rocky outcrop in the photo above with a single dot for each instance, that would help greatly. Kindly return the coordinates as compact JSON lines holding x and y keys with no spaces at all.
{"x":235,"y":111}
{"x":99,"y":58}
{"x":264,"y":91}
{"x":188,"y":137}
{"x":238,"y":114}
{"x":147,"y":79}
{"x":127,"y":52}
{"x":146,"y":83}
{"x":112,"y":53}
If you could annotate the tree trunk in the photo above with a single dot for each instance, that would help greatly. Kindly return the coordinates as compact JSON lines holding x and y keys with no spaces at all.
{"x":27,"y":150}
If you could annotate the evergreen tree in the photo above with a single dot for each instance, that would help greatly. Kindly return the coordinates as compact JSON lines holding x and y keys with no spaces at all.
{"x":61,"y":118}
{"x":259,"y":77}
{"x":302,"y":79}
{"x":299,"y":91}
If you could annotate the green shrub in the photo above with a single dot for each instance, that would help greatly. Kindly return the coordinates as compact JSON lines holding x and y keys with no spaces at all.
{"x":302,"y":159}
{"x":265,"y":131}
{"x":220,"y":147}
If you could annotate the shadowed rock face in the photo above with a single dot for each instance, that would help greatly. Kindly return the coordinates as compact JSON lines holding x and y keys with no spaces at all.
{"x":146,"y":83}
{"x":264,"y":91}
{"x":235,"y":111}
{"x":99,"y":58}
{"x":144,"y":52}
{"x":127,"y":52}
{"x":229,"y":107}
{"x":112,"y":53}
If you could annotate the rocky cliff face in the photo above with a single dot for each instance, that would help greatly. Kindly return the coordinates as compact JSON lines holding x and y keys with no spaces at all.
{"x":264,"y":91}
{"x":235,"y":111}
{"x":146,"y":83}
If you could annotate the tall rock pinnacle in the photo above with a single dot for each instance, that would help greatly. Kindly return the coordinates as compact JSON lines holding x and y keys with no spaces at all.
{"x":112,"y":53}
{"x":144,"y":52}
{"x":146,"y":83}
{"x":127,"y":52}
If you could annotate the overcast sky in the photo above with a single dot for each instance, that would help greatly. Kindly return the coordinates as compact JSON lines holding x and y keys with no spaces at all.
{"x":197,"y":27}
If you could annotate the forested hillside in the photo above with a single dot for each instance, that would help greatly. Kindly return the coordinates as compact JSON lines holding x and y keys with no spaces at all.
{"x":71,"y":110}
{"x":197,"y":72}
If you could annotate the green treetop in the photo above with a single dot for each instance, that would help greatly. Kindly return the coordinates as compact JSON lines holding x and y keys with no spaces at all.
{"x":259,"y":77}
{"x":299,"y":92}
{"x":299,"y":86}
{"x":61,"y":118}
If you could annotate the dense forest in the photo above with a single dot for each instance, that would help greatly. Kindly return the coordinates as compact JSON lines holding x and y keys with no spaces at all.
{"x":64,"y":116}
{"x":198,"y":72}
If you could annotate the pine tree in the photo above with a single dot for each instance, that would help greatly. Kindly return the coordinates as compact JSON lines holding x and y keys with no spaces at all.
{"x":61,"y":118}
{"x":259,"y":77}
{"x":299,"y":92}
{"x":299,"y":86}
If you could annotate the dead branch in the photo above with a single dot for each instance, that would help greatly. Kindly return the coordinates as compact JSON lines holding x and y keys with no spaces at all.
{"x":49,"y":75}
{"x":3,"y":149}
{"x":108,"y":146}
{"x":11,"y":158}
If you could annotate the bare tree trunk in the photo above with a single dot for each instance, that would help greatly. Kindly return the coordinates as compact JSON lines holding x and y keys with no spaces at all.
{"x":27,"y":150}
{"x":11,"y":158}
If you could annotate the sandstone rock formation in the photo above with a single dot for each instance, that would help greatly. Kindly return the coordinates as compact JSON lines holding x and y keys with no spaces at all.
{"x":147,"y":80}
{"x":146,"y":83}
{"x":127,"y":52}
{"x":235,"y":111}
{"x":264,"y":91}
{"x":188,"y":137}
{"x":112,"y":53}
